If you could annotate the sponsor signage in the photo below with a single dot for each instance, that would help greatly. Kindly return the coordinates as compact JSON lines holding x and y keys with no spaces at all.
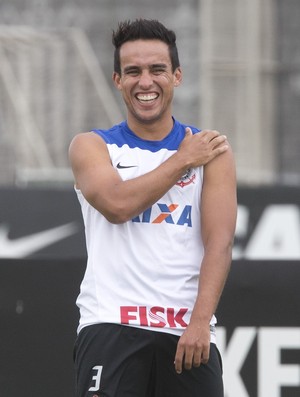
{"x":42,"y":261}
{"x":47,"y":223}
{"x":40,"y":223}
{"x":268,"y":224}
{"x":258,"y":330}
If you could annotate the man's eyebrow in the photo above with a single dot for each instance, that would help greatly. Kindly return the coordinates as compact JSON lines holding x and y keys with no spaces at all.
{"x":131,"y":67}
{"x":152,"y":66}
{"x":159,"y":65}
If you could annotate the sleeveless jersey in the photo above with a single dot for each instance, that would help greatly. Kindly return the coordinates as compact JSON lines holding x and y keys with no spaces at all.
{"x":144,"y":272}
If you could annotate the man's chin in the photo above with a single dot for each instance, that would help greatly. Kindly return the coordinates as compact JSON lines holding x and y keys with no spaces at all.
{"x":147,"y":119}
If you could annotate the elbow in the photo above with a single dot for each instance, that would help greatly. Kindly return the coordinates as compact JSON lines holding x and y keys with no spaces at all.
{"x":220,"y":247}
{"x":227,"y":247}
{"x":116,"y":218}
{"x":114,"y":209}
{"x":116,"y":213}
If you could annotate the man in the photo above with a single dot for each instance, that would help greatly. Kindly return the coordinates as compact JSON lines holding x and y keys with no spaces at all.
{"x":159,"y":204}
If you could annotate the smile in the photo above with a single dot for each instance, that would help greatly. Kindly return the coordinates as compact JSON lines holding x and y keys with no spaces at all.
{"x":146,"y":97}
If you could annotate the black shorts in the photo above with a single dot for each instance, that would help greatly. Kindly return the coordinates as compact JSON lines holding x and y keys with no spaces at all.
{"x":119,"y":361}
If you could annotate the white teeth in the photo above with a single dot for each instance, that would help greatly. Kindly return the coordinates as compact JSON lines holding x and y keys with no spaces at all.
{"x":147,"y":97}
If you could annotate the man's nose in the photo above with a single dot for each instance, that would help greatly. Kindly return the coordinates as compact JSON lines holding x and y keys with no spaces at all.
{"x":145,"y":79}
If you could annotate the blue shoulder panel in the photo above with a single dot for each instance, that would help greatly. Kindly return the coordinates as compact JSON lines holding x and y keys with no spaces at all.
{"x":121,"y":134}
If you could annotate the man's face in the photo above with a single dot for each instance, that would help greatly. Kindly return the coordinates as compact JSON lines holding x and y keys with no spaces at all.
{"x":147,"y":80}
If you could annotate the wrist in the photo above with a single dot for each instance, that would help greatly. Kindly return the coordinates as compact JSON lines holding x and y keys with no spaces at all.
{"x":181,"y":162}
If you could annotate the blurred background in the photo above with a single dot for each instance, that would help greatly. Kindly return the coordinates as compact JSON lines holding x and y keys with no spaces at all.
{"x":241,"y":65}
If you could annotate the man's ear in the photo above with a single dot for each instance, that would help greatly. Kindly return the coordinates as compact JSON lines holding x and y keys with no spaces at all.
{"x":117,"y":80}
{"x":177,"y":76}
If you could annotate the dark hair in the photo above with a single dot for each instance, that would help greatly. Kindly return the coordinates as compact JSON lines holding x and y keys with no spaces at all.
{"x":145,"y":29}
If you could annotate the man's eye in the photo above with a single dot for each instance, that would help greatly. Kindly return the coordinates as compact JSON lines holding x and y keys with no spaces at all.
{"x":132,"y":72}
{"x":157,"y":71}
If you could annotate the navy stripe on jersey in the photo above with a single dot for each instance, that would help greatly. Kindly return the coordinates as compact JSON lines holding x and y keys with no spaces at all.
{"x":121,"y":135}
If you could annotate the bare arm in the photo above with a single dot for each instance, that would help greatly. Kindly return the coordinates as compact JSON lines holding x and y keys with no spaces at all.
{"x":218,"y":218}
{"x":118,"y":200}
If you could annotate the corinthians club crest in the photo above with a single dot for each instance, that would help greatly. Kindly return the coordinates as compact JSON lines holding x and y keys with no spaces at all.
{"x":187,"y":178}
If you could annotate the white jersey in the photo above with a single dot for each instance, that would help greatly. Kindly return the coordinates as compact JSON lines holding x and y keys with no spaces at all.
{"x":144,"y":272}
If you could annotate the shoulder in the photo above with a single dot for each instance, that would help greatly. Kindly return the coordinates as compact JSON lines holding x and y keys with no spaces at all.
{"x":85,"y":138}
{"x":221,"y":168}
{"x":106,"y":135}
{"x":84,"y":144}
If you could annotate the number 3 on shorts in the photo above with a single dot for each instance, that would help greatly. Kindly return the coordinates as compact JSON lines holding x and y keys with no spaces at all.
{"x":96,"y":378}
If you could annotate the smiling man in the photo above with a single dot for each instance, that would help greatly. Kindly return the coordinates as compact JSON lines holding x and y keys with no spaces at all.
{"x":147,"y":86}
{"x":158,"y":201}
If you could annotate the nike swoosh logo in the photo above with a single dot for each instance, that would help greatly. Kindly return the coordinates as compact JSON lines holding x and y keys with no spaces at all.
{"x":27,"y":245}
{"x":125,"y":166}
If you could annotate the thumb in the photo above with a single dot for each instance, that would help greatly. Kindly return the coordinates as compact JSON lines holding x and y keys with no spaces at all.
{"x":188,"y":131}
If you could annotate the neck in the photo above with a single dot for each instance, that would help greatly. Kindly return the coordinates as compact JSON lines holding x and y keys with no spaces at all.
{"x":152,"y":131}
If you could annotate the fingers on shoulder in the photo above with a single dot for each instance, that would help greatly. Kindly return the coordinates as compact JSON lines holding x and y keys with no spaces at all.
{"x":215,"y":140}
{"x":210,"y":134}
